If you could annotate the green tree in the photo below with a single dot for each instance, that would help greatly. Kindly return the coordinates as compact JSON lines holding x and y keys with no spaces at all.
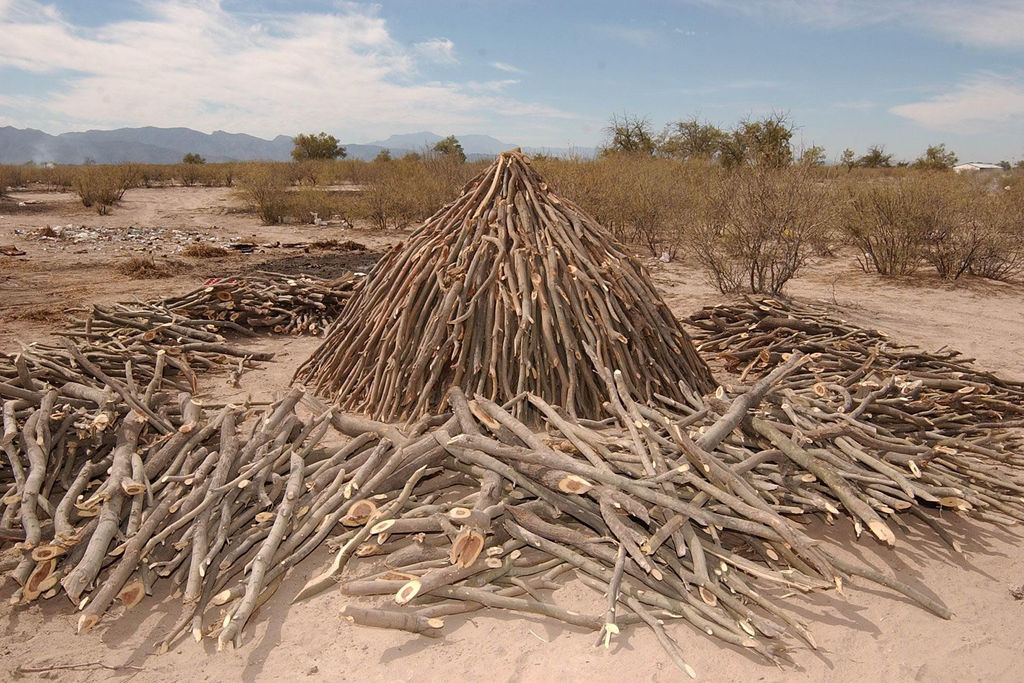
{"x":848,"y":159}
{"x":764,"y":142}
{"x":875,"y":158}
{"x":322,"y":146}
{"x":192,"y":158}
{"x":690,"y":140}
{"x":1005,"y":165}
{"x":813,"y":156}
{"x":628,"y":134}
{"x":450,"y":147}
{"x":936,"y":158}
{"x":383,"y":155}
{"x":412,"y":157}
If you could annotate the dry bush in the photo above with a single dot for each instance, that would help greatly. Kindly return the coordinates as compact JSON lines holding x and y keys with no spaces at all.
{"x":188,"y":174}
{"x":887,"y":221}
{"x":402,"y":192}
{"x":156,"y":174}
{"x":61,"y":177}
{"x":10,"y":176}
{"x":310,"y":203}
{"x":146,"y":268}
{"x":104,"y":186}
{"x":390,"y":200}
{"x":942,"y":219}
{"x":956,"y":230}
{"x":1001,"y":255}
{"x":762,"y":226}
{"x":264,"y":189}
{"x":643,"y":201}
{"x":204,"y":250}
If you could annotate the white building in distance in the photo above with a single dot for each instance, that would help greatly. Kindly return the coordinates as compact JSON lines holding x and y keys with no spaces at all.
{"x":977,"y":166}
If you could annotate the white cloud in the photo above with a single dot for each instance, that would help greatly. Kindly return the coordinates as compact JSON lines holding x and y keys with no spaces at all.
{"x":982,"y":103}
{"x":440,"y":50}
{"x":196,"y":64}
{"x":507,"y":68}
{"x":985,"y":23}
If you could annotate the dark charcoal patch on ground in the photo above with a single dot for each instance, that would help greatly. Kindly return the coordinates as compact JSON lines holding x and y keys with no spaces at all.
{"x":325,"y":265}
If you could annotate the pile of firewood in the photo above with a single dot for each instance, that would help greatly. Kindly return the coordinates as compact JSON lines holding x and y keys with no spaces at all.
{"x":946,"y":432}
{"x":507,"y":289}
{"x":269,"y":301}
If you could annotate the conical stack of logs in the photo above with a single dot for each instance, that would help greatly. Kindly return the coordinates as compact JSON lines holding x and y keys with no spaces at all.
{"x":507,"y":289}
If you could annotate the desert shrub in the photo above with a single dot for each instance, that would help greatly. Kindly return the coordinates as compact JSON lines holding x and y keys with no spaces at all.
{"x":887,"y":222}
{"x":10,"y":176}
{"x":264,"y":188}
{"x":204,"y":250}
{"x":1001,"y":254}
{"x":188,"y":173}
{"x":762,"y":226}
{"x":104,"y":186}
{"x":213,"y":175}
{"x":309,"y":203}
{"x":391,"y":199}
{"x":956,"y":229}
{"x":900,"y":222}
{"x":403,"y":192}
{"x":643,"y":201}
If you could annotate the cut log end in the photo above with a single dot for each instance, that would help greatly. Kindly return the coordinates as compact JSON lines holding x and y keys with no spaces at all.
{"x":47,"y":552}
{"x":408,"y":592}
{"x":360,"y":513}
{"x":87,"y":622}
{"x":574,"y":485}
{"x":467,"y":548}
{"x":133,"y":593}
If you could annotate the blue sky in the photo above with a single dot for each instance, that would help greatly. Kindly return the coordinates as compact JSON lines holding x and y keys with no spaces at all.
{"x":902,"y":73}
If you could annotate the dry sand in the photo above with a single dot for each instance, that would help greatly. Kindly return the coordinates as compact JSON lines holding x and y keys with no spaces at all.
{"x":868,"y":634}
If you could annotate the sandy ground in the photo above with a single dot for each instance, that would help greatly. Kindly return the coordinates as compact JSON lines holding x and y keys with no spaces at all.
{"x":868,"y":634}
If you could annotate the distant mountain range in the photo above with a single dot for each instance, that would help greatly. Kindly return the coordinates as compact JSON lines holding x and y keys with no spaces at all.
{"x":168,"y":145}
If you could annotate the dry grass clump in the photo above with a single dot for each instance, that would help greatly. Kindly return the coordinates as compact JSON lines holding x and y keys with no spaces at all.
{"x":147,"y":268}
{"x":762,"y":226}
{"x":204,"y":250}
{"x":104,"y":186}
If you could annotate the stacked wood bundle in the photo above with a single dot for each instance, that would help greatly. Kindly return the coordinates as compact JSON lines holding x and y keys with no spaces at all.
{"x":283,"y":304}
{"x":944,"y":389}
{"x":903,"y":425}
{"x":507,"y":289}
